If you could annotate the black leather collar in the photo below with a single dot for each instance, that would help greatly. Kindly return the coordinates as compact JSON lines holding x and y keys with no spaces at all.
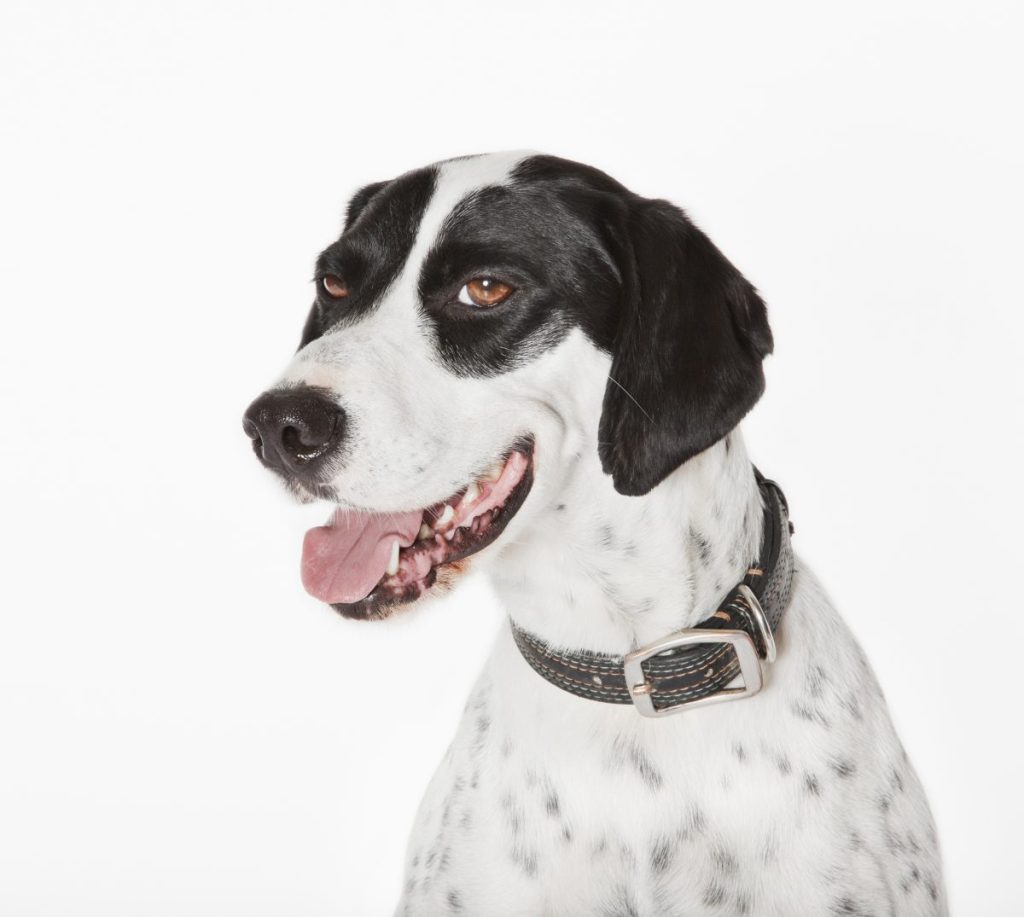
{"x":695,"y":665}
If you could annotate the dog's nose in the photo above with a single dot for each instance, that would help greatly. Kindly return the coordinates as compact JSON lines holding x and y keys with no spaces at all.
{"x":294,"y":430}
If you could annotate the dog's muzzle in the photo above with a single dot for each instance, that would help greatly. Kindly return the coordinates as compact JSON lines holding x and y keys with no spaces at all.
{"x":295,"y":431}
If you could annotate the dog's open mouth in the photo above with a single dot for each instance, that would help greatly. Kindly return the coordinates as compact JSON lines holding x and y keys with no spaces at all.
{"x":362,"y":563}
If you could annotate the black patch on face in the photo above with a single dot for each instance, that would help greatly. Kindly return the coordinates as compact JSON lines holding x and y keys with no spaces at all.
{"x":528,"y":236}
{"x":380,"y":230}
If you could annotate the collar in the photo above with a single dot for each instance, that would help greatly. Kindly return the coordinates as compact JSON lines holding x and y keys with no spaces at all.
{"x":693,"y":666}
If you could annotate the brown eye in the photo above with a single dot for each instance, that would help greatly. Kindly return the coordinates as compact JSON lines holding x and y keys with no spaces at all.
{"x":484,"y":291}
{"x":334,"y":286}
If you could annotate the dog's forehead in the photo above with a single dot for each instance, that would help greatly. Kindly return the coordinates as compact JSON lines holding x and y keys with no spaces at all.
{"x":456,"y":181}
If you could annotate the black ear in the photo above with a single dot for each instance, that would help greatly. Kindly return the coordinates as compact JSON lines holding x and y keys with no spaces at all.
{"x":686,"y":364}
{"x":359,"y":201}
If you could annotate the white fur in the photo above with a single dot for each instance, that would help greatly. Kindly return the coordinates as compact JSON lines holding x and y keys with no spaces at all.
{"x":797,"y":801}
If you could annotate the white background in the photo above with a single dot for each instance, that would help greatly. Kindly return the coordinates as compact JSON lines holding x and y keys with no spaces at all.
{"x":182,"y":730}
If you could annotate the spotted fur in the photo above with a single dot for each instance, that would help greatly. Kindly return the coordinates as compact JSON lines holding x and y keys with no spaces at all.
{"x":799,"y":801}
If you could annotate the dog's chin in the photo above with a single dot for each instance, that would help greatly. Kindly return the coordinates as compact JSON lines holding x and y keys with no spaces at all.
{"x":420,"y":555}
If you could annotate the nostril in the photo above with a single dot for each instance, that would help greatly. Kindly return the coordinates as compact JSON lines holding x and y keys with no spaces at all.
{"x":305,"y":441}
{"x":293,"y":442}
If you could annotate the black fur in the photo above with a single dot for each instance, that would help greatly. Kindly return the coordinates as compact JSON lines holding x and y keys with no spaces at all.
{"x":359,"y":200}
{"x":686,"y":363}
{"x":380,"y":229}
{"x":532,"y":239}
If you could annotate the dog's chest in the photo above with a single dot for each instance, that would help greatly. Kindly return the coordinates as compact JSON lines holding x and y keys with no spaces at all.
{"x":546,"y":804}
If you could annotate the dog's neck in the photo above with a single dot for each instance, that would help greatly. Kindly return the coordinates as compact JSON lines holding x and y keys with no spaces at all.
{"x":603,"y":572}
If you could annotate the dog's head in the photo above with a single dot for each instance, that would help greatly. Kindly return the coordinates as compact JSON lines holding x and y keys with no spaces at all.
{"x":480,"y":325}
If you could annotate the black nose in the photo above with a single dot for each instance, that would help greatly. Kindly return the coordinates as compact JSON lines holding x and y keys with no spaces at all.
{"x":294,"y":430}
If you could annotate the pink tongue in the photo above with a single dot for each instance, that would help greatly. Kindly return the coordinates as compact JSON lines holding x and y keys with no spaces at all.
{"x":343,"y":560}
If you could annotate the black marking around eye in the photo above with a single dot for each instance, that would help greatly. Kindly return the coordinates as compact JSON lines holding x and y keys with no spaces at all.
{"x":380,"y":230}
{"x":530,"y":235}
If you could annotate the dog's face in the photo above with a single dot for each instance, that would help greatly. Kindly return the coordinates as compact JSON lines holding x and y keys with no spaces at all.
{"x":477,"y":324}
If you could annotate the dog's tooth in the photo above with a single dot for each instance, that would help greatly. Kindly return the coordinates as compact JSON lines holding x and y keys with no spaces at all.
{"x":393,"y":562}
{"x":426,"y":532}
{"x":471,"y":495}
{"x":493,"y":471}
{"x":447,"y":514}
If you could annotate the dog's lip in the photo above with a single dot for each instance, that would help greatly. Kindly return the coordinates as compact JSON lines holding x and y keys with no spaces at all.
{"x":423,"y":559}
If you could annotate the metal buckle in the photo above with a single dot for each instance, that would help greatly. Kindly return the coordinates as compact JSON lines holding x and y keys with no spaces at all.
{"x":760,"y":620}
{"x":640,"y":689}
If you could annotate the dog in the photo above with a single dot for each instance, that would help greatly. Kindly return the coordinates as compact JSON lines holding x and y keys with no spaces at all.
{"x":515,"y":363}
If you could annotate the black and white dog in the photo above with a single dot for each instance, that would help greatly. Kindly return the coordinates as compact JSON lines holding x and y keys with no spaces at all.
{"x":514,"y":359}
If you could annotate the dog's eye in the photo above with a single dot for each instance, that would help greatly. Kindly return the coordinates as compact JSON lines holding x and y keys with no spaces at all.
{"x":334,"y":286}
{"x":484,"y":291}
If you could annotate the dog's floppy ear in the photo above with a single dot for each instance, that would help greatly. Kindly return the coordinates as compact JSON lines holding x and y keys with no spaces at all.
{"x":686,"y":364}
{"x":359,"y":201}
